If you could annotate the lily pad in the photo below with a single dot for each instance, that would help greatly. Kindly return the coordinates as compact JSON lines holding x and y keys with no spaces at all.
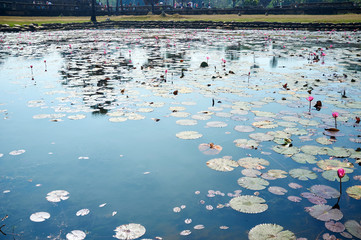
{"x":354,"y":228}
{"x":325,"y":191}
{"x":209,"y":148}
{"x":217,"y":124}
{"x":277,"y":190}
{"x":324,"y":141}
{"x":57,"y":196}
{"x":248,"y":204}
{"x":285,"y":150}
{"x":244,"y":128}
{"x":129,"y":231}
{"x":189,"y":135}
{"x":314,"y":150}
{"x":267,"y":231}
{"x":222,"y":164}
{"x":245,"y":143}
{"x":304,"y":158}
{"x":252,"y":183}
{"x":82,"y":212}
{"x":39,"y":216}
{"x":354,"y":192}
{"x":331,"y":175}
{"x":334,"y":164}
{"x":325,"y":213}
{"x":76,"y":235}
{"x":302,"y":174}
{"x":186,"y":122}
{"x":335,"y":226}
{"x":261,"y":137}
{"x":276,"y":173}
{"x":255,"y":163}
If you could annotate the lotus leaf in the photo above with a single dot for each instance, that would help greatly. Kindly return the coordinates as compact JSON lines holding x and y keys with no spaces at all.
{"x":177,"y":109}
{"x":129,"y":231}
{"x":331,"y":175}
{"x":294,"y":198}
{"x":261,"y":137}
{"x":314,"y":150}
{"x":264,"y":114}
{"x":251,"y":172}
{"x":253,"y":183}
{"x":118,"y":119}
{"x":82,"y":212}
{"x":239,"y":112}
{"x":335,"y":226}
{"x":333,"y":164}
{"x":324,"y":141}
{"x":354,"y":192}
{"x":338,"y":152}
{"x":280,"y":134}
{"x":325,"y":213}
{"x":265,"y":124}
{"x":243,"y":128}
{"x":185,"y":232}
{"x":285,"y":150}
{"x":222,"y":164}
{"x":244,"y":143}
{"x":180,"y":114}
{"x":145,"y":110}
{"x":248,"y":204}
{"x":325,"y":191}
{"x":134,"y":116}
{"x":294,"y":185}
{"x":77,"y":117}
{"x":269,"y":231}
{"x":304,"y":158}
{"x":296,"y":131}
{"x":186,"y":122}
{"x":201,"y":117}
{"x":302,"y":174}
{"x":188,"y":135}
{"x":223,"y":114}
{"x":57,"y":196}
{"x":210,"y":148}
{"x":76,"y":235}
{"x":255,"y":163}
{"x":291,"y":118}
{"x":39,"y":216}
{"x":217,"y":124}
{"x":354,"y":228}
{"x":307,"y":122}
{"x":276,"y":173}
{"x":277,"y":190}
{"x":287,"y":124}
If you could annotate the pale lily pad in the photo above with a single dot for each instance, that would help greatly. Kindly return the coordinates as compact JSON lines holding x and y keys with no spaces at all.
{"x":222,"y":164}
{"x":325,"y":213}
{"x":269,"y":231}
{"x":261,"y":137}
{"x":77,"y":117}
{"x":245,"y":143}
{"x":217,"y":124}
{"x":83,"y":212}
{"x":185,"y":232}
{"x":129,"y":231}
{"x":324,"y":141}
{"x":209,"y":148}
{"x":354,"y":192}
{"x":325,"y":191}
{"x":276,"y":173}
{"x":186,"y":122}
{"x":180,"y":114}
{"x":134,"y":116}
{"x":201,"y":117}
{"x":354,"y":228}
{"x":39,"y":216}
{"x":255,"y":163}
{"x":302,"y":174}
{"x":335,"y":226}
{"x":252,"y":183}
{"x":296,"y":131}
{"x":244,"y":128}
{"x":188,"y":135}
{"x":277,"y":190}
{"x":338,"y":152}
{"x":118,"y":119}
{"x":307,"y":122}
{"x":17,"y":152}
{"x":265,"y":124}
{"x":287,"y":124}
{"x":264,"y":114}
{"x":331,"y":175}
{"x":314,"y":150}
{"x":304,"y":158}
{"x":76,"y":235}
{"x":333,"y":164}
{"x":57,"y":196}
{"x":248,"y":204}
{"x":294,"y":185}
{"x":294,"y":199}
{"x":280,"y":134}
{"x":251,"y":172}
{"x":285,"y":150}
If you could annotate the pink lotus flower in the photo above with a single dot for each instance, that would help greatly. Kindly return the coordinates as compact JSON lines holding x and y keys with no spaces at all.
{"x":310,"y":98}
{"x":341,"y":173}
{"x":166,"y":71}
{"x":335,"y":114}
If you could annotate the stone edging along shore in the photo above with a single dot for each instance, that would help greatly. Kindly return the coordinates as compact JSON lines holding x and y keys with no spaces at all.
{"x":185,"y":25}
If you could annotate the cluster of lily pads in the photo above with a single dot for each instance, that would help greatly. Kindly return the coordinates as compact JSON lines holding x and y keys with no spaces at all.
{"x":126,"y":75}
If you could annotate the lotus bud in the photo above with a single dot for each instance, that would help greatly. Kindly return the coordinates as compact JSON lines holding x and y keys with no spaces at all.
{"x":341,"y":173}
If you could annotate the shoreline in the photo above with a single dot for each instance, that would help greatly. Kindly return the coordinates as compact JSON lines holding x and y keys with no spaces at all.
{"x":184,"y":25}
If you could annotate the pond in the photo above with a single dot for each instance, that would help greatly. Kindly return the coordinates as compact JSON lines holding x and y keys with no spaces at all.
{"x":122,"y":134}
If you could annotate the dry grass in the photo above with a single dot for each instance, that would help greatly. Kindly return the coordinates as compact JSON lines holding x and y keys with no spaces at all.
{"x":344,"y":18}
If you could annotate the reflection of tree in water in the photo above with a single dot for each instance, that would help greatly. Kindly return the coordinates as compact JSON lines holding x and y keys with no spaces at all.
{"x":274,"y":62}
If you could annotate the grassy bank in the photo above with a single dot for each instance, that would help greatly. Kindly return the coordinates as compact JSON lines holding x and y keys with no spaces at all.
{"x":344,"y":18}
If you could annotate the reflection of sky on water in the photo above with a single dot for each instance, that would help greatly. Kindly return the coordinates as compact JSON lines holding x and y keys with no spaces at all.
{"x":88,"y":78}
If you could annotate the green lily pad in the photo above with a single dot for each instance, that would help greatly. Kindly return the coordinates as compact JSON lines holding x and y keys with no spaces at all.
{"x":255,"y":163}
{"x":276,"y":173}
{"x":248,"y":204}
{"x":354,"y":192}
{"x":325,"y":213}
{"x":338,"y":152}
{"x":304,"y":158}
{"x":333,"y":164}
{"x":245,"y":143}
{"x":354,"y":228}
{"x":261,"y":137}
{"x":324,"y":141}
{"x":222,"y":164}
{"x":267,"y":231}
{"x":302,"y":174}
{"x":252,"y":183}
{"x":314,"y":150}
{"x":331,"y":175}
{"x":286,"y":150}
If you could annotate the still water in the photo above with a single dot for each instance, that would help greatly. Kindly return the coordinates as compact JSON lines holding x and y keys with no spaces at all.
{"x":98,"y":114}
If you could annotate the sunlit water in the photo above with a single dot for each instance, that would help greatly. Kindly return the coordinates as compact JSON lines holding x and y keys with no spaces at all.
{"x":139,"y":168}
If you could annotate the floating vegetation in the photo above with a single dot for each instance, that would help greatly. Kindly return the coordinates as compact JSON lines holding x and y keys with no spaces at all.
{"x":325,"y":213}
{"x":222,"y":164}
{"x":39,"y":216}
{"x":354,"y":228}
{"x":57,"y":196}
{"x":76,"y":235}
{"x":354,"y":192}
{"x":210,"y":148}
{"x":302,"y":174}
{"x":248,"y":204}
{"x":82,"y":212}
{"x":325,"y":191}
{"x":267,"y":231}
{"x":129,"y":231}
{"x":253,"y":183}
{"x":189,"y":135}
{"x":254,"y":163}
